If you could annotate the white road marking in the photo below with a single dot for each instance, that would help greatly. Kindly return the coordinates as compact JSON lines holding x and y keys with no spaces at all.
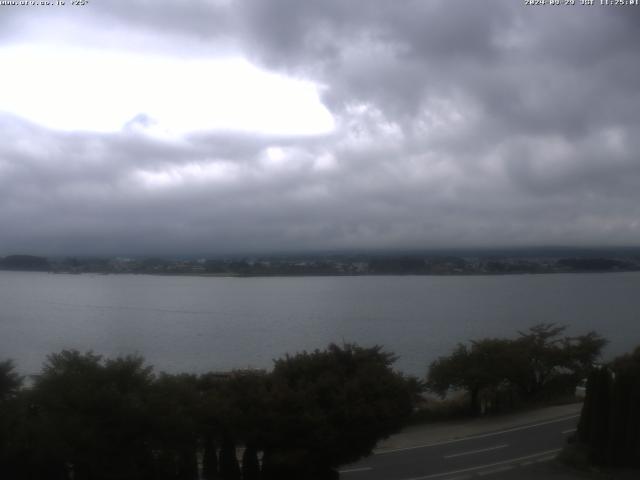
{"x":473,"y":437}
{"x":495,"y":470}
{"x":354,"y":470}
{"x":482,"y":467}
{"x":471,"y":452}
{"x":545,"y":459}
{"x":571,"y":430}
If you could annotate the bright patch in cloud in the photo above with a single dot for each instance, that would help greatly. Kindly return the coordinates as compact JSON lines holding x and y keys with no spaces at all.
{"x":190,"y":174}
{"x":74,"y":89}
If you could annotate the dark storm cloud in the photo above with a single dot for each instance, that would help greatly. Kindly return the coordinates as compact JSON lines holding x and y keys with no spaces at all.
{"x":458,"y":123}
{"x":534,"y":67}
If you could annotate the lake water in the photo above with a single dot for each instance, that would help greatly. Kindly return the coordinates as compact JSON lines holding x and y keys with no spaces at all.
{"x":197,"y":324}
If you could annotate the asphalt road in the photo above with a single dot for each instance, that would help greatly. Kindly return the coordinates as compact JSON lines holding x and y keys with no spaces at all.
{"x":471,"y":457}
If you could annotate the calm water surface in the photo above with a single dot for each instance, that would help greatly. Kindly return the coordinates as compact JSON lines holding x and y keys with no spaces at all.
{"x":202,"y":323}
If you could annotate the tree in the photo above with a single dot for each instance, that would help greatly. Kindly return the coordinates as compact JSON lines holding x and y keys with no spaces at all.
{"x":10,"y":381}
{"x":232,"y":410}
{"x":582,"y":352}
{"x":543,"y":351}
{"x":173,"y":406}
{"x":538,"y":362}
{"x":10,"y":385}
{"x":90,"y":416}
{"x":551,"y":359}
{"x":229,"y":467}
{"x":250,"y":463}
{"x":482,"y":367}
{"x":609,"y":427}
{"x":331,"y":407}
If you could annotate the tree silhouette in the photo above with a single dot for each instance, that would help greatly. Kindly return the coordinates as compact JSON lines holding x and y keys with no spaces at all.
{"x":10,"y":381}
{"x":90,"y":418}
{"x":609,"y":426}
{"x":331,"y":407}
{"x":539,"y":362}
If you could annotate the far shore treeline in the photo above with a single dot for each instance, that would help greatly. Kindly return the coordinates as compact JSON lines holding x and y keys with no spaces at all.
{"x":431,"y":263}
{"x":85,"y":417}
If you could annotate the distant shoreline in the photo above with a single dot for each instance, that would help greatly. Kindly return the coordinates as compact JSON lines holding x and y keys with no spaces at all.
{"x":298,"y":275}
{"x":328,"y":265}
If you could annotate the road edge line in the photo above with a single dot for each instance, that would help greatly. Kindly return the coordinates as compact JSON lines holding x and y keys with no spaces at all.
{"x":473,"y":437}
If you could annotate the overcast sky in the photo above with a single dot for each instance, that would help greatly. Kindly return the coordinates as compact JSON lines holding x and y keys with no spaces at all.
{"x":221,"y":126}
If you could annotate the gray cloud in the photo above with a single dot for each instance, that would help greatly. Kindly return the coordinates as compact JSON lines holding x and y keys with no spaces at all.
{"x":458,"y":124}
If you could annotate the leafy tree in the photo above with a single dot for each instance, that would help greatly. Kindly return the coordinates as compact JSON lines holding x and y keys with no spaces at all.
{"x":91,"y":416}
{"x":10,"y":381}
{"x":236,"y":404}
{"x":10,"y":384}
{"x":455,"y":372}
{"x":543,"y":351}
{"x":232,"y":410}
{"x":173,"y":405}
{"x":331,"y":407}
{"x":250,"y":463}
{"x":538,"y":362}
{"x":229,"y":467}
{"x":594,"y":428}
{"x":624,"y":447}
{"x":550,"y":358}
{"x":209,"y":458}
{"x":581,"y":354}
{"x":483,"y":366}
{"x":609,"y":427}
